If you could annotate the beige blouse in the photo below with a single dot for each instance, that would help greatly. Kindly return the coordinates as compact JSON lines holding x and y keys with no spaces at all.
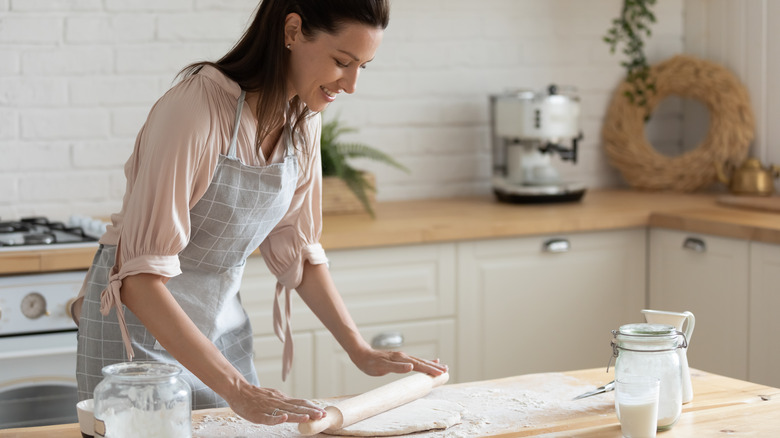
{"x":172,"y":165}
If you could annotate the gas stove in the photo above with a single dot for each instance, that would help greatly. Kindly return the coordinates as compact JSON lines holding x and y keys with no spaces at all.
{"x":37,"y":333}
{"x":34,"y":233}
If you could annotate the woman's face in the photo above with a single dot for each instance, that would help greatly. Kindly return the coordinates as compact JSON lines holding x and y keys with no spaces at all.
{"x":329,"y":64}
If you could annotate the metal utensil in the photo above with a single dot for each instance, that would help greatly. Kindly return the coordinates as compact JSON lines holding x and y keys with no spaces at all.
{"x":600,"y":390}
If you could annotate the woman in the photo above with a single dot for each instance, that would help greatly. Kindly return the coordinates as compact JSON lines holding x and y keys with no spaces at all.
{"x":228,"y":160}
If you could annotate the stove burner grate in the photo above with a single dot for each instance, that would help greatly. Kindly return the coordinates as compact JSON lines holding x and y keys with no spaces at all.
{"x":40,"y":231}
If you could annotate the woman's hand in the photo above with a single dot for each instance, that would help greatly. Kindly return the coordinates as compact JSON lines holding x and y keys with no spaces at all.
{"x":269,"y":406}
{"x":147,"y":297}
{"x":380,"y":362}
{"x":322,"y":297}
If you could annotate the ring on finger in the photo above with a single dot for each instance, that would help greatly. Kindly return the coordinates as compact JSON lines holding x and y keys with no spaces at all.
{"x":273,"y":414}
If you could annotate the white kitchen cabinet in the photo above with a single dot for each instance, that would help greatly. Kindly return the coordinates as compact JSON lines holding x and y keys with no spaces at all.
{"x":409,"y":288}
{"x":337,"y":375}
{"x":403,"y":283}
{"x":764,"y":358}
{"x":268,"y":363}
{"x":708,"y":276}
{"x":546,"y":303}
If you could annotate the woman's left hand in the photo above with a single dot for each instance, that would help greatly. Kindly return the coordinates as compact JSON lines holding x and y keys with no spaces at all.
{"x":320,"y":294}
{"x":380,"y":362}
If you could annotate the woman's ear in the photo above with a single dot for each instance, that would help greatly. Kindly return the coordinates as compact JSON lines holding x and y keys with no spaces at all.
{"x":292,"y":28}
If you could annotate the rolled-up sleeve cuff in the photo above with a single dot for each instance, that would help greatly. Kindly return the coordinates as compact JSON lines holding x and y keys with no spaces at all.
{"x":163,"y":265}
{"x":110,"y":297}
{"x":312,"y":253}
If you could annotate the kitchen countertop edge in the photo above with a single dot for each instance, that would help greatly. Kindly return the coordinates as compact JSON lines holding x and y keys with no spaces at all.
{"x":481,"y":217}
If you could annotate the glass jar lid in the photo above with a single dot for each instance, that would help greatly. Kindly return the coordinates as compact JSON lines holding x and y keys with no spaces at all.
{"x":646,"y":329}
{"x":648,"y":337}
{"x":141,"y":371}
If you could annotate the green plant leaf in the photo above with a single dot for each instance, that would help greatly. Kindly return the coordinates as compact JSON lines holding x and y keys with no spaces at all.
{"x":335,"y":155}
{"x":634,"y":21}
{"x":357,"y":150}
{"x":360,"y":186}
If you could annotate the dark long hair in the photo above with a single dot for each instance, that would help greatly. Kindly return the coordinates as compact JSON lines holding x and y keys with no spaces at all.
{"x":259,"y":62}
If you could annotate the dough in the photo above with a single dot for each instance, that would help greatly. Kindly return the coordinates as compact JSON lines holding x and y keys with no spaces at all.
{"x":416,"y":416}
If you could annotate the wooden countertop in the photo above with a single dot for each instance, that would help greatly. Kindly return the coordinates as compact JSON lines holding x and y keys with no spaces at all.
{"x":721,"y":406}
{"x":441,"y":220}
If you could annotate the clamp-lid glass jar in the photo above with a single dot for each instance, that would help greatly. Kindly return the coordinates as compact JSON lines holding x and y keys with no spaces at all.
{"x":651,"y":350}
{"x":145,"y":399}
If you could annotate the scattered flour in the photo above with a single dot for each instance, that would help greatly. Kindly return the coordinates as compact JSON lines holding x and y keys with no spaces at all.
{"x":487,"y":409}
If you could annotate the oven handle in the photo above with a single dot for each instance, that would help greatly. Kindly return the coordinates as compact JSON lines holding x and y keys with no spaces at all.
{"x":38,"y":345}
{"x":36,"y":353}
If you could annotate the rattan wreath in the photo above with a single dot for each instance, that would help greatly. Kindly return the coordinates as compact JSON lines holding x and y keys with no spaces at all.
{"x":730,"y":132}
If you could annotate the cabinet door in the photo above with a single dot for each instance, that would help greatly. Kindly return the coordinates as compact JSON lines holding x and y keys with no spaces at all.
{"x":764,"y":310}
{"x":268,"y":363}
{"x":546,"y":303}
{"x":708,"y":276}
{"x":337,"y":375}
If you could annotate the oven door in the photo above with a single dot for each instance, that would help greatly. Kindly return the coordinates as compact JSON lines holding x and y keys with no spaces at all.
{"x":38,"y":380}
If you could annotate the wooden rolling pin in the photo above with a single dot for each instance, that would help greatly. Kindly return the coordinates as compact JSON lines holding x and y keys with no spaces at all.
{"x":376,"y":401}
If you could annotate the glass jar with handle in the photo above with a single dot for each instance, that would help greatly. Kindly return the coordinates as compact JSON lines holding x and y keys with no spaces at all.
{"x":651,"y":350}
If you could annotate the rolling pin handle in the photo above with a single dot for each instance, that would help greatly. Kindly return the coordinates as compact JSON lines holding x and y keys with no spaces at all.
{"x":440,"y":380}
{"x":333,"y":419}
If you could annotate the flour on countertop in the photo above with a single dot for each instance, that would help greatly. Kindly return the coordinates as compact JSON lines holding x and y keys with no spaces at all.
{"x":488,"y":408}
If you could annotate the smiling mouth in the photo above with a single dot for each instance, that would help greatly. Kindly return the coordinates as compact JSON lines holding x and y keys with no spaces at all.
{"x":329,"y":93}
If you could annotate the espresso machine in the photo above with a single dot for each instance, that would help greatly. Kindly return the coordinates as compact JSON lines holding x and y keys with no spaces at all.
{"x":527,"y":129}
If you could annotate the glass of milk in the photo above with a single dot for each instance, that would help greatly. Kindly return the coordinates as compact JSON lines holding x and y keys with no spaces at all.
{"x":636,"y":405}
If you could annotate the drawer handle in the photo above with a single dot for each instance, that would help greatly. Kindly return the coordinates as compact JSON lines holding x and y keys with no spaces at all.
{"x":695,"y":244}
{"x":556,"y":245}
{"x":388,"y":341}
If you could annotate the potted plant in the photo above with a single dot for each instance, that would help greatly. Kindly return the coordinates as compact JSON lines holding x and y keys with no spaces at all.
{"x":345,"y":188}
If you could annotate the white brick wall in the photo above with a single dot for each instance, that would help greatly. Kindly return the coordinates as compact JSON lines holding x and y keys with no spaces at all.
{"x":77,"y":78}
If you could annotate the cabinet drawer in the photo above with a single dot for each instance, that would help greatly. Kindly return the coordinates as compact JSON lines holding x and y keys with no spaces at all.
{"x":378,"y":285}
{"x":335,"y":373}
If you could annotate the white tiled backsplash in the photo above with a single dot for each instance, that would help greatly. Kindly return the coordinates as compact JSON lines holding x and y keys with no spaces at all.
{"x":77,"y":78}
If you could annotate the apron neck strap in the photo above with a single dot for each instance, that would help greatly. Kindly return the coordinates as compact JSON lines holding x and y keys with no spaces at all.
{"x":287,"y":134}
{"x":240,"y":106}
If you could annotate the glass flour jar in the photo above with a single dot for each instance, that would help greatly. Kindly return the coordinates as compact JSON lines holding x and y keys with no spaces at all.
{"x":651,"y":350}
{"x":142,"y":399}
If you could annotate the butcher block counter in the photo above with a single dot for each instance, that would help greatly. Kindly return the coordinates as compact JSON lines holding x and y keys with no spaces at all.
{"x":440,"y":220}
{"x":538,"y":404}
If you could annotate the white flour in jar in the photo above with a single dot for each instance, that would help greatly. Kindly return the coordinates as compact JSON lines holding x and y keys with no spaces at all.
{"x":135,"y":423}
{"x":142,"y":418}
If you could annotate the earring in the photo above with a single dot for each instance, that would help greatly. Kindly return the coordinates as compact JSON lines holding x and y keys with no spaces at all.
{"x":288,"y":47}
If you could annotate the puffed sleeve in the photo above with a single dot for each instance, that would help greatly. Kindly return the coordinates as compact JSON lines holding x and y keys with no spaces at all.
{"x":172,"y":163}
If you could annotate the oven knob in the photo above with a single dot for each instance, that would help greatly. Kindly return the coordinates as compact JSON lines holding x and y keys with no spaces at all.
{"x":34,"y":306}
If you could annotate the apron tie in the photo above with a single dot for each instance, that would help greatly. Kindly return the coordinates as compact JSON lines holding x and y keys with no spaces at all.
{"x":284,"y":333}
{"x":110,"y":298}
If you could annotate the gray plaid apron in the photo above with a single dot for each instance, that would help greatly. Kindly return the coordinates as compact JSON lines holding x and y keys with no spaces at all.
{"x":238,"y":211}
